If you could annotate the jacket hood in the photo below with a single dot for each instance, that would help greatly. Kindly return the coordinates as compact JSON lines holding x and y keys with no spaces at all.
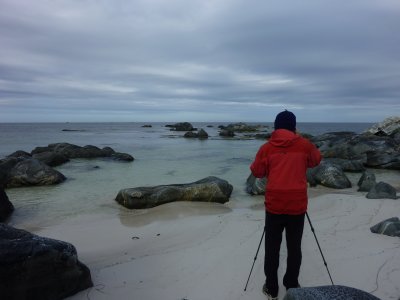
{"x":283,"y":138}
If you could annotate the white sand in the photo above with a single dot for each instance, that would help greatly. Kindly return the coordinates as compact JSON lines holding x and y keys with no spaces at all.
{"x":200,"y":251}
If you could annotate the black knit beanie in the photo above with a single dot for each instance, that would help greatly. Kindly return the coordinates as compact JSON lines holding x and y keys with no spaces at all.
{"x":285,"y":120}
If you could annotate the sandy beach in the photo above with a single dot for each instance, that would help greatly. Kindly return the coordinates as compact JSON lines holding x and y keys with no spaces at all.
{"x":205,"y":251}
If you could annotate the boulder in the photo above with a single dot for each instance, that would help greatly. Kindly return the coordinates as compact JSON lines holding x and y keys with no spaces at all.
{"x":209,"y":189}
{"x":366,"y":182}
{"x":34,"y":267}
{"x":240,"y":127}
{"x":191,"y":135}
{"x":5,"y":167}
{"x":328,"y":175}
{"x":122,"y":156}
{"x":383,"y":159}
{"x":255,"y":186}
{"x":6,"y":207}
{"x":389,"y":127}
{"x":390,"y":227}
{"x":350,"y":146}
{"x":20,"y":153}
{"x":33,"y":172}
{"x":329,"y":292}
{"x":346,"y":165}
{"x":51,"y":159}
{"x":69,"y":151}
{"x":382,"y":190}
{"x":182,"y":126}
{"x":226,"y":133}
{"x":202,"y":134}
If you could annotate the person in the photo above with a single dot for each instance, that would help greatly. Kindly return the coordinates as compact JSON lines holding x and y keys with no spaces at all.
{"x":284,"y":160}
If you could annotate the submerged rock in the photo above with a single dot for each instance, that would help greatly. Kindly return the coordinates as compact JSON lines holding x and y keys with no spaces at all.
{"x":38,"y":268}
{"x":329,"y":292}
{"x":382,"y":190}
{"x":390,"y":227}
{"x":209,"y":189}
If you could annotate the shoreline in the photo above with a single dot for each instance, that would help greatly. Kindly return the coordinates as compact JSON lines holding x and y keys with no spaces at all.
{"x":201,"y":251}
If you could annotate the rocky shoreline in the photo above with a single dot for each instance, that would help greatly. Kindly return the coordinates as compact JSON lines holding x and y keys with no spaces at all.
{"x":343,"y":152}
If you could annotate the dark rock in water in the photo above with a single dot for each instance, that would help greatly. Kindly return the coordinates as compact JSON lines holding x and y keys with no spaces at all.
{"x":390,"y":227}
{"x":203,"y":134}
{"x":122,"y":156}
{"x":226,"y":133}
{"x":74,"y":130}
{"x":183,"y":126}
{"x":40,"y":150}
{"x":20,"y":153}
{"x":5,"y":167}
{"x":240,"y":127}
{"x":328,"y":175}
{"x":382,"y":190}
{"x":209,"y":189}
{"x":38,"y":268}
{"x":255,"y":186}
{"x":366,"y":182}
{"x":147,"y":126}
{"x":329,"y":292}
{"x":33,"y":172}
{"x":6,"y":207}
{"x":191,"y":134}
{"x":51,"y":159}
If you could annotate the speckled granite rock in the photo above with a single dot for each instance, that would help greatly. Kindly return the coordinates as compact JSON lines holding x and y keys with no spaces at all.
{"x":329,"y":292}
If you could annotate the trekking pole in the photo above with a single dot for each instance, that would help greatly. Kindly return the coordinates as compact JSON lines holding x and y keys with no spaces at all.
{"x":323,"y":258}
{"x":255,"y":258}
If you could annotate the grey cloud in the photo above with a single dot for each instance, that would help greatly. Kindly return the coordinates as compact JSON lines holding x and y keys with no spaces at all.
{"x":191,"y":56}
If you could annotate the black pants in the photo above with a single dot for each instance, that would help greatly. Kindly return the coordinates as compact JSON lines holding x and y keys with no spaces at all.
{"x":274,"y":226}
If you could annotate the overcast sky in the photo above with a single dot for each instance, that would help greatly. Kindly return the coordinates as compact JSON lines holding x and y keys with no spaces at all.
{"x":199,"y":60}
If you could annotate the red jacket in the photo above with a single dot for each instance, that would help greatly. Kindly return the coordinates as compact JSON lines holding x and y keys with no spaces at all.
{"x":284,"y":160}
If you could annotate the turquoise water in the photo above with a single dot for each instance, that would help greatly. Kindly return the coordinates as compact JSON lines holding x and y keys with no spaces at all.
{"x":161,"y":157}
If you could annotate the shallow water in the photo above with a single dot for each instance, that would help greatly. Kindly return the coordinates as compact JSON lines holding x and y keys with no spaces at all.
{"x":161,"y":157}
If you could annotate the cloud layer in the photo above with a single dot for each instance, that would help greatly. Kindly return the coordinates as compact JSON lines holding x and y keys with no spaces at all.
{"x":219,"y":60}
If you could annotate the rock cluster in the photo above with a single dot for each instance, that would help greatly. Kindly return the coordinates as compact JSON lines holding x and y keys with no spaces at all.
{"x":28,"y":169}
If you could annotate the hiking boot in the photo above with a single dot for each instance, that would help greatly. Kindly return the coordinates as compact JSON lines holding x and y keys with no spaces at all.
{"x":269,"y":295}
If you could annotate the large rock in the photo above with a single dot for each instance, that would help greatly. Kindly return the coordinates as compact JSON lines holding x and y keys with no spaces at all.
{"x":34,"y":267}
{"x":209,"y":189}
{"x":33,"y":172}
{"x":329,"y":292}
{"x":6,"y":166}
{"x":373,"y":151}
{"x":347,"y":165}
{"x":382,"y":190}
{"x":390,"y":227}
{"x":6,"y":207}
{"x":240,"y":127}
{"x":366,"y":182}
{"x":390,"y":126}
{"x":51,"y":159}
{"x":70,"y":151}
{"x":182,"y":126}
{"x":328,"y":175}
{"x":255,"y":186}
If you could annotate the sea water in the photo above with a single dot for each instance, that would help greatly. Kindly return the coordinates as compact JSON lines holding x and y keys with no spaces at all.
{"x":161,"y":157}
